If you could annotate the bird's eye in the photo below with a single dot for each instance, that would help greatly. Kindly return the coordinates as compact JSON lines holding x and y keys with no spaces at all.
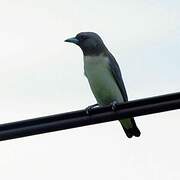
{"x":84,"y":37}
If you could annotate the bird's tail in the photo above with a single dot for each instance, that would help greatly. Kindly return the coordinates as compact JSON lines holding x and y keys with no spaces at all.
{"x":130,"y":127}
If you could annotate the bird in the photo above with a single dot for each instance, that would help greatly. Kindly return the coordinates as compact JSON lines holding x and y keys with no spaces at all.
{"x":104,"y":76}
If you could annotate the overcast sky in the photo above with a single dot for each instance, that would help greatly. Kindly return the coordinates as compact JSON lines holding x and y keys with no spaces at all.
{"x":41,"y":75}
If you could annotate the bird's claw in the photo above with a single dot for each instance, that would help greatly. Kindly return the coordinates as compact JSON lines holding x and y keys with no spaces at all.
{"x":114,"y":105}
{"x":89,"y":108}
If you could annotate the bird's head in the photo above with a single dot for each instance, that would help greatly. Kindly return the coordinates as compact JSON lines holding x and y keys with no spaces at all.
{"x":89,"y":42}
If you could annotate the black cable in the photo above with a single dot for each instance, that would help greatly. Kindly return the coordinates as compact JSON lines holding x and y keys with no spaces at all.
{"x":80,"y":118}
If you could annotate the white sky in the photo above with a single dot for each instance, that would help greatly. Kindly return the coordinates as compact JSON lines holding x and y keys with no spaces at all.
{"x":42,"y":75}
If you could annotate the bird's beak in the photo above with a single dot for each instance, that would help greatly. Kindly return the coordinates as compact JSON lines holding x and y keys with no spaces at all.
{"x":72,"y":40}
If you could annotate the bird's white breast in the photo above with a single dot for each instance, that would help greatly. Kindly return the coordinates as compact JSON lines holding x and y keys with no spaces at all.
{"x":101,"y":80}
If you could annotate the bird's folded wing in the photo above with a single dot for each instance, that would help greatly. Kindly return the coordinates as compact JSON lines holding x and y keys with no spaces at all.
{"x":114,"y":67}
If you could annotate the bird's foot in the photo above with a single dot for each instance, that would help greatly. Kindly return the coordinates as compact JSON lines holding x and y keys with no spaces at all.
{"x":89,"y":108}
{"x":114,"y":105}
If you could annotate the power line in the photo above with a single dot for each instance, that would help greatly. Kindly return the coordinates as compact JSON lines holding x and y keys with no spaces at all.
{"x":80,"y":118}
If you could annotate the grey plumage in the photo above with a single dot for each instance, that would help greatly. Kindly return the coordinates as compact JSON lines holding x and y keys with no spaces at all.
{"x":104,"y":75}
{"x":117,"y":76}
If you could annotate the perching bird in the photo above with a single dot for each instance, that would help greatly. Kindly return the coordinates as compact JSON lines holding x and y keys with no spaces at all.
{"x":104,"y":75}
